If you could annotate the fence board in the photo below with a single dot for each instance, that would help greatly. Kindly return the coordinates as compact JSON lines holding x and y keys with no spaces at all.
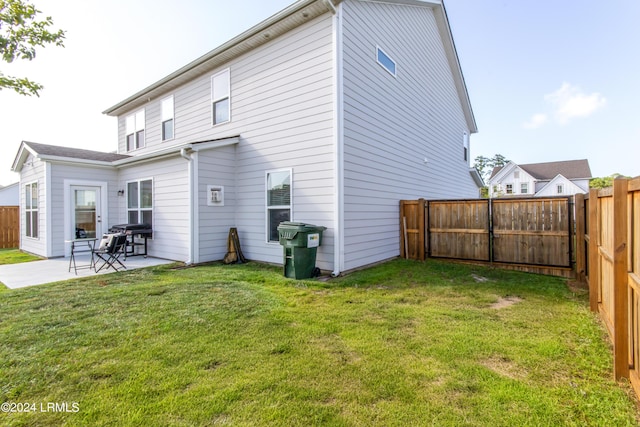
{"x":612,"y":222}
{"x":9,"y":227}
{"x":532,"y":231}
{"x":459,"y":229}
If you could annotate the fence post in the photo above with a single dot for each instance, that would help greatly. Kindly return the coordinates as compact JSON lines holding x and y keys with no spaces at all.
{"x":620,"y":280}
{"x":421,"y":230}
{"x":594,"y":256}
{"x":580,"y":247}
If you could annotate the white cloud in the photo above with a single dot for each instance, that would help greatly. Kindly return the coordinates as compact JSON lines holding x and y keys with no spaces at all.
{"x":569,"y":102}
{"x":536,"y":121}
{"x":566,"y":104}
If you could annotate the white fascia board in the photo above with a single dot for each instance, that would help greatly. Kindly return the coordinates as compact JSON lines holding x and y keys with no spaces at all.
{"x":175,"y":150}
{"x":282,"y":22}
{"x":508,"y":168}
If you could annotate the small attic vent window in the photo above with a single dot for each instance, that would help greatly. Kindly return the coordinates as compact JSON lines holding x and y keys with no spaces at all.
{"x":386,"y":62}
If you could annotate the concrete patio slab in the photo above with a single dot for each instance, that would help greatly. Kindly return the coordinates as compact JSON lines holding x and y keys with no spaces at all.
{"x":56,"y":269}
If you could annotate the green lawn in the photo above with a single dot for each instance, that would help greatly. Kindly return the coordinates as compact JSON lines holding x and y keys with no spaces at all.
{"x":404,"y":343}
{"x":15,"y":256}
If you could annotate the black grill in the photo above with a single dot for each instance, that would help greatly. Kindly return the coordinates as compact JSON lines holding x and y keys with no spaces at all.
{"x":142,"y":231}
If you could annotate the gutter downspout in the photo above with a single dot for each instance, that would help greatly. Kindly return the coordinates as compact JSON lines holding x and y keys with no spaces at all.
{"x":338,"y":161}
{"x":186,"y":156}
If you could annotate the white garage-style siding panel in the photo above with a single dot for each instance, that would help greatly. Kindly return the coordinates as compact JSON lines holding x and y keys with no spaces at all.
{"x":171,"y":231}
{"x":391,"y":124}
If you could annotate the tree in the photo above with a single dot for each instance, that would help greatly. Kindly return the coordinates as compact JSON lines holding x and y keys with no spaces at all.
{"x":485,"y":165}
{"x":20,"y":33}
{"x":604,"y":182}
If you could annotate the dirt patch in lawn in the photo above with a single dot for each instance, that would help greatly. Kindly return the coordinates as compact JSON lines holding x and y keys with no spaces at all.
{"x":505,"y":367}
{"x":507,"y":301}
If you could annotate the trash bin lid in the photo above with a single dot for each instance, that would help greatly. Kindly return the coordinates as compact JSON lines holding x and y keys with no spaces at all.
{"x":300,"y":226}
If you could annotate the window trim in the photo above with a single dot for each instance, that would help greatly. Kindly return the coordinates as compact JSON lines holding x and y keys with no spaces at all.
{"x":140,"y":209}
{"x":172,"y":119}
{"x":266,"y":201}
{"x":30,"y":210}
{"x":215,"y":100}
{"x":524,"y":188}
{"x":508,"y":188}
{"x":136,"y":132}
{"x":380,"y":51}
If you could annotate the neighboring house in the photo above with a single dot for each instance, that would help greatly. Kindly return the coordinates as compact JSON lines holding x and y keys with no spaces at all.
{"x":564,"y":178}
{"x":10,"y":195}
{"x":329,"y":112}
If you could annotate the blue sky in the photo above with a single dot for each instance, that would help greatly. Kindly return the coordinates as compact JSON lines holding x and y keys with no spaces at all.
{"x":548,"y":80}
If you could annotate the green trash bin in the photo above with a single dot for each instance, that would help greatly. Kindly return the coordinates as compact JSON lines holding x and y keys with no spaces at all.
{"x":299,"y":247}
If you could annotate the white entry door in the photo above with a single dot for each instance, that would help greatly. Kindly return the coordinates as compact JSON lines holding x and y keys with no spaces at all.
{"x":86,"y":212}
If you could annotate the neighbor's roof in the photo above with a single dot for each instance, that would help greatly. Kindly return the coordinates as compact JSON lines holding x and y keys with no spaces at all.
{"x":570,"y":169}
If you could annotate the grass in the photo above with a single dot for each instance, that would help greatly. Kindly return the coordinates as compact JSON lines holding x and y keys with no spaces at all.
{"x":15,"y":256}
{"x":404,"y":343}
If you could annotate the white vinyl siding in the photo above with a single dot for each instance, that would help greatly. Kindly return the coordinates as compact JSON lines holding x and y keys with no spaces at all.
{"x":216,"y":167}
{"x":392,"y":125}
{"x":171,"y":231}
{"x":34,"y":171}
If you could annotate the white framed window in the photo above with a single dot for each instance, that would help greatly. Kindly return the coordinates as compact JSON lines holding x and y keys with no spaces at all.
{"x":524,"y":188}
{"x":278,"y":200}
{"x":135,"y":130}
{"x":385,"y":61}
{"x":509,"y":188}
{"x":31,"y":209}
{"x":560,"y":188}
{"x":221,"y":97}
{"x":167,"y":118}
{"x":140,"y":202}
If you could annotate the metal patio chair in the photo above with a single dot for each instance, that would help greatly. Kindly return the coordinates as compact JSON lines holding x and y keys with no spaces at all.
{"x":111,"y":247}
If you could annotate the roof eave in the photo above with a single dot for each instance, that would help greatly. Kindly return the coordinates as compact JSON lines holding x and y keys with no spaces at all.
{"x":248,"y":40}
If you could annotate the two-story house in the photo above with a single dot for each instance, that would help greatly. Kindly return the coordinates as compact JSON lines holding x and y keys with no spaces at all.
{"x":564,"y":178}
{"x":328,"y":112}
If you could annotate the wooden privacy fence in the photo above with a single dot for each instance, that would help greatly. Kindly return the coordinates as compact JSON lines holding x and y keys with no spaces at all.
{"x":608,"y":259}
{"x":9,"y":227}
{"x":533,"y":234}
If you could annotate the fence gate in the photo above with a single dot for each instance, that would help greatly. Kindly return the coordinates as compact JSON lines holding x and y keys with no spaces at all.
{"x":9,"y":227}
{"x":532,"y":231}
{"x":459,"y":229}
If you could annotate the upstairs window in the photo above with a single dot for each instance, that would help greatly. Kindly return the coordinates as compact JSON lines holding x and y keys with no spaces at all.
{"x":386,"y":62}
{"x":509,"y":188}
{"x":140,"y":202}
{"x":31,"y":209}
{"x":278,"y":201}
{"x":135,"y":130}
{"x":465,"y":146}
{"x":524,"y":188}
{"x":560,"y":188}
{"x":167,"y":118}
{"x":220,"y":98}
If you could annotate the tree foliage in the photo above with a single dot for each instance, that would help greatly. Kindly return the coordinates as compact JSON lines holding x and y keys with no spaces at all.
{"x":485,"y":165}
{"x":20,"y":33}
{"x":605,"y":181}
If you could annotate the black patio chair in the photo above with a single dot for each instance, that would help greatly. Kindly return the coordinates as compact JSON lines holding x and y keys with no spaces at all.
{"x":111,"y":247}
